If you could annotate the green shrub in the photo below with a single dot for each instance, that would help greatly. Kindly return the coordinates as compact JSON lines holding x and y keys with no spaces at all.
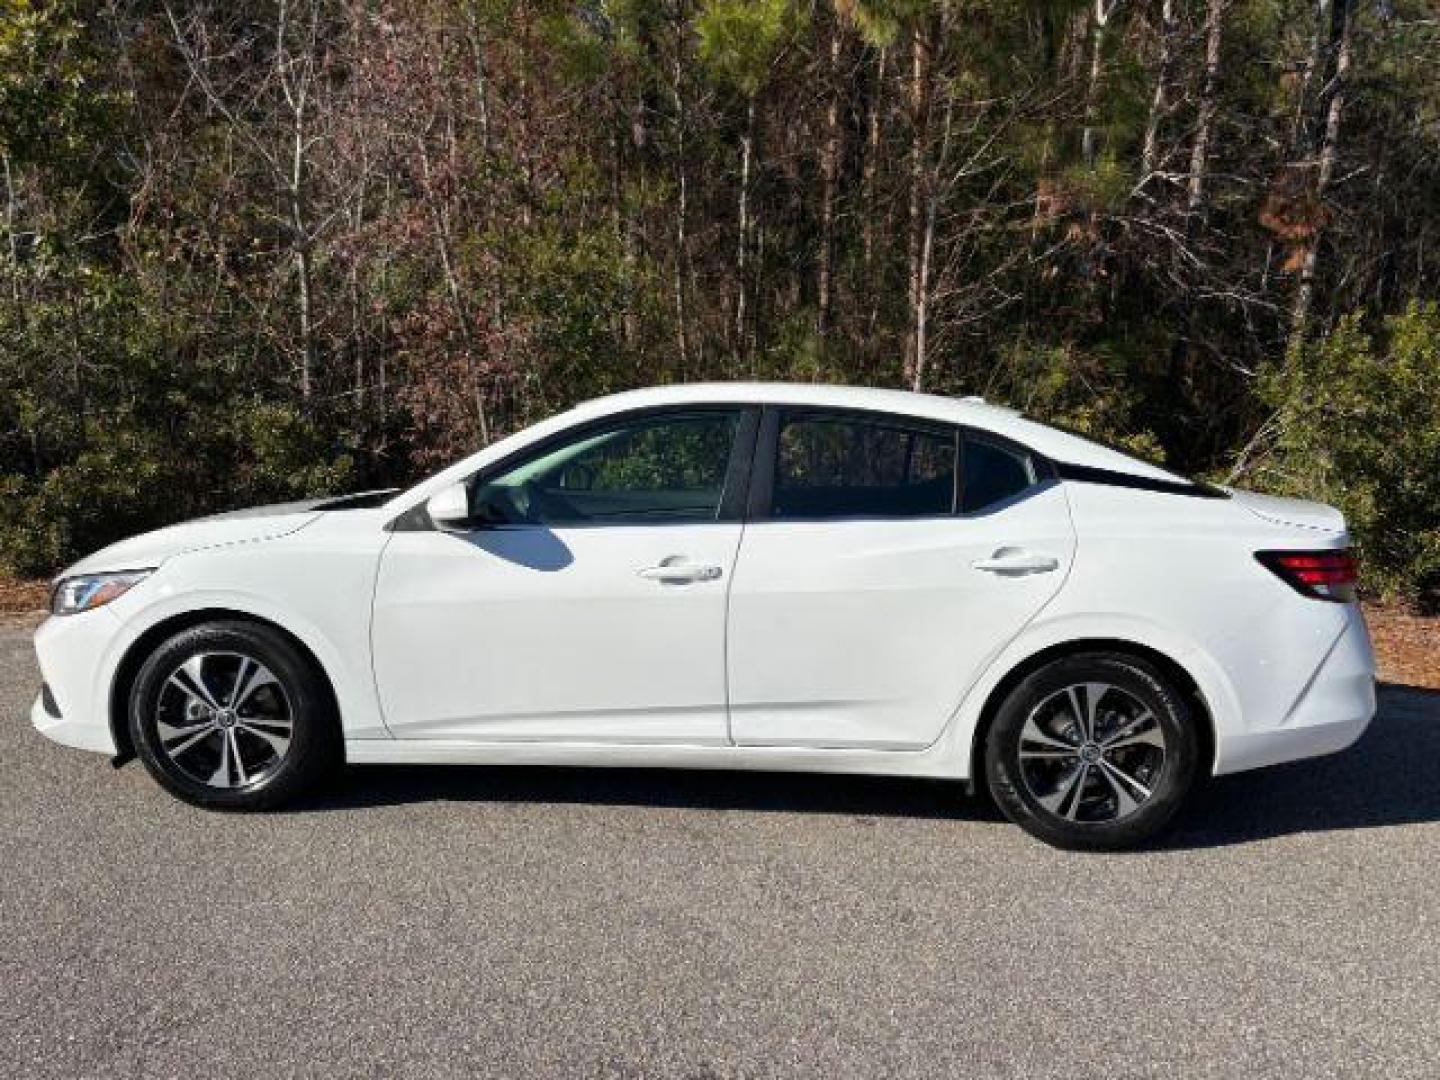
{"x":131,"y":481}
{"x":279,"y":454}
{"x":113,"y":489}
{"x":1084,"y":391}
{"x":1358,"y":425}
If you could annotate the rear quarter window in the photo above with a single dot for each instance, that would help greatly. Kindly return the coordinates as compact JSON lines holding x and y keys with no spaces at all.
{"x":993,"y":474}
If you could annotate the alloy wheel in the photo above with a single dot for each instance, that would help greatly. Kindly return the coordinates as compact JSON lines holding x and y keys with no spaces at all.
{"x":1091,"y":753}
{"x":224,"y":719}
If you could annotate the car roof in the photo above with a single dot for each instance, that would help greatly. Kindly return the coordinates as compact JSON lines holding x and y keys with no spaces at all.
{"x":971,"y":412}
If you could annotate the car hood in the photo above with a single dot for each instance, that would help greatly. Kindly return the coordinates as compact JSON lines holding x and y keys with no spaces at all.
{"x":1307,"y":515}
{"x":236,"y":527}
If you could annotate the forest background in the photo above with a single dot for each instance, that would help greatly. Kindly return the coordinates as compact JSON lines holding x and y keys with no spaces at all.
{"x":260,"y":249}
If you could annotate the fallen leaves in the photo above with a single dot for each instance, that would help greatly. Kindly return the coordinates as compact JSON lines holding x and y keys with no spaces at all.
{"x":1407,"y":647}
{"x":18,"y":596}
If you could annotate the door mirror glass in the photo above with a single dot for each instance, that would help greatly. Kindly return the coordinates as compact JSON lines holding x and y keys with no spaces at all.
{"x":449,"y":508}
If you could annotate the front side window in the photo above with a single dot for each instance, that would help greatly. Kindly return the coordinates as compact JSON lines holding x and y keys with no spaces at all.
{"x":829,"y":466}
{"x":644,"y":471}
{"x":993,"y":474}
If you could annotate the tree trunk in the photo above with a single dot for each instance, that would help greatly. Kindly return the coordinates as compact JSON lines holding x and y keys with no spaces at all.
{"x":682,"y":224}
{"x":872,"y":162}
{"x":1159,"y":103}
{"x":1209,"y":93}
{"x":301,"y":241}
{"x":10,"y":233}
{"x":829,"y":168}
{"x":622,"y":222}
{"x":1195,"y":182}
{"x":1341,"y":27}
{"x":440,"y":222}
{"x":1301,"y":128}
{"x":1088,"y":139}
{"x":927,"y":249}
{"x":920,"y":78}
{"x":482,"y":92}
{"x":742,"y":244}
{"x":296,"y":95}
{"x":356,"y":214}
{"x":869,"y":176}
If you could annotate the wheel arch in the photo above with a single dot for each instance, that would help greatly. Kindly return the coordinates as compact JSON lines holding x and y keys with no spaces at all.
{"x":135,"y":655}
{"x":1172,"y":669}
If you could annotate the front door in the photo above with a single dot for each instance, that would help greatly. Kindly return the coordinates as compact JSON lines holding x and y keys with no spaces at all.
{"x":881,"y":576}
{"x":587,"y":602}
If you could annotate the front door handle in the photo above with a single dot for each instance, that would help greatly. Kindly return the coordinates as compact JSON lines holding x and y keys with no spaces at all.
{"x":677,"y":570}
{"x":1015,"y":562}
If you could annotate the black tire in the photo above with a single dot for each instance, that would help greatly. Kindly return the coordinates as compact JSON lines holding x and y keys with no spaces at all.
{"x":1092,"y":815}
{"x":312,"y":739}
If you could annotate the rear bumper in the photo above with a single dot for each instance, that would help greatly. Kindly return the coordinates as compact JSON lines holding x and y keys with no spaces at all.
{"x":1255,"y":751}
{"x":1330,"y":715}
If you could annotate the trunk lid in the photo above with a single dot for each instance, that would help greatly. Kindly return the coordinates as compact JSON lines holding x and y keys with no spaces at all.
{"x":1298,"y":512}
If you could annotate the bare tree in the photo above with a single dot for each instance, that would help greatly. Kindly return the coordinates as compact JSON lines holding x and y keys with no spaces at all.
{"x":1102,"y":13}
{"x":1341,"y":36}
{"x":829,"y":169}
{"x":1159,"y":99}
{"x":293,"y":75}
{"x":1209,"y":98}
{"x":923,"y":36}
{"x":682,"y":212}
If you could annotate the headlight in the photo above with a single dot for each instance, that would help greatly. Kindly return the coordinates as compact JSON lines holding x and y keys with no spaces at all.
{"x":85,"y":591}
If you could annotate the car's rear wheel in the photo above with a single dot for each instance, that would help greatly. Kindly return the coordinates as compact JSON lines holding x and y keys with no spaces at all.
{"x":1093,"y":751}
{"x":230,"y":716}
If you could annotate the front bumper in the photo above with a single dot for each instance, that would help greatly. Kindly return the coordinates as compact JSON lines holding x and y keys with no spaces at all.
{"x":77,"y":663}
{"x":1330,"y":715}
{"x":69,"y":733}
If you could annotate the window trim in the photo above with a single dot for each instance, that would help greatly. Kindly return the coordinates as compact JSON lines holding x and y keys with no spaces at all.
{"x":1091,"y":474}
{"x":733,"y":494}
{"x":762,"y":476}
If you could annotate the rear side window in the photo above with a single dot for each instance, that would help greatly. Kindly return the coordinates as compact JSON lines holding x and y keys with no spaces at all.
{"x":831,"y":466}
{"x":992,"y":474}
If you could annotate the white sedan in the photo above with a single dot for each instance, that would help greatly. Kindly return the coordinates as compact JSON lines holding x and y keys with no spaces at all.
{"x":738,"y":576}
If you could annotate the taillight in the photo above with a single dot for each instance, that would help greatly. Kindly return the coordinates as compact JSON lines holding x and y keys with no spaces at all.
{"x":1324,"y":575}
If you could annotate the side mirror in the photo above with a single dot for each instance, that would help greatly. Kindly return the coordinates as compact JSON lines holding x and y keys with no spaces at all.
{"x":449,"y":508}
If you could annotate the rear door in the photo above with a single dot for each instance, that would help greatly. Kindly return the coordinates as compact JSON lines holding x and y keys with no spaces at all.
{"x":885,"y":562}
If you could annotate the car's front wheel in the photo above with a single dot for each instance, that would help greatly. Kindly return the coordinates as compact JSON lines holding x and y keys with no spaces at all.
{"x":1094,"y":751}
{"x":228,"y":715}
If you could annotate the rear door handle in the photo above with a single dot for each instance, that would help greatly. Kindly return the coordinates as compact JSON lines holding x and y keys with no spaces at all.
{"x":1014,"y":562}
{"x":677,"y":570}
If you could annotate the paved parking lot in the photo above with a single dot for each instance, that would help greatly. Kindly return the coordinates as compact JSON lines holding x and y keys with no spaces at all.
{"x":528,"y":922}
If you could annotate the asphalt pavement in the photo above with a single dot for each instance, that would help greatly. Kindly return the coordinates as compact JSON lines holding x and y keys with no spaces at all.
{"x":519,"y":922}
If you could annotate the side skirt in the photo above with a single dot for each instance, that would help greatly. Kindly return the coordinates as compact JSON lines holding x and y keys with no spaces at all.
{"x":934,"y":761}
